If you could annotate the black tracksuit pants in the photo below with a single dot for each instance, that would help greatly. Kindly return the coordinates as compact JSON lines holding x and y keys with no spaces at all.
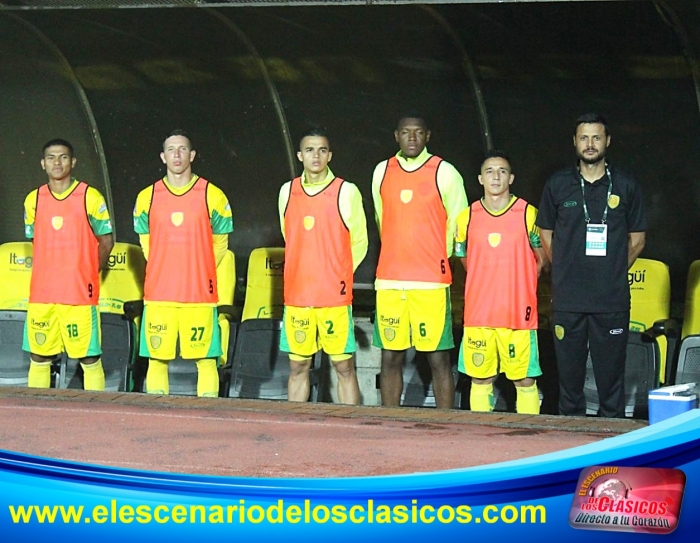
{"x":605,"y":334}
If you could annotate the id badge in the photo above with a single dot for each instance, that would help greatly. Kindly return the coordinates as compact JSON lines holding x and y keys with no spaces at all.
{"x":596,"y":239}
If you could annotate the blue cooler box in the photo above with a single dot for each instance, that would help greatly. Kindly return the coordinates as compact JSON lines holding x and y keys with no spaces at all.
{"x":667,"y":402}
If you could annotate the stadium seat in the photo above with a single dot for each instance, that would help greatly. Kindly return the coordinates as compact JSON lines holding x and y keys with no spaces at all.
{"x":641,"y":375}
{"x":260,"y":370}
{"x":688,"y":368}
{"x":691,"y":314}
{"x":264,"y":294}
{"x":182,"y":374}
{"x":15,"y":275}
{"x":650,"y":292}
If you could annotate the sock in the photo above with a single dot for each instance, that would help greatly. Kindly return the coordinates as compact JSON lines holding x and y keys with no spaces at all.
{"x":481,"y":397}
{"x":207,"y":378}
{"x":157,"y":377}
{"x":39,"y":375}
{"x":527,"y":400}
{"x":93,"y":376}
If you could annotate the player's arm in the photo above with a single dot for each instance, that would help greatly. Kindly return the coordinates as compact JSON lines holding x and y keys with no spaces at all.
{"x":377,"y":178}
{"x":30,"y":214}
{"x":460,"y":237}
{"x":141,"y":210}
{"x":221,"y":221}
{"x":546,"y":218}
{"x":635,"y":244}
{"x":454,"y":197}
{"x":101,"y":224}
{"x":144,"y":241}
{"x":220,"y":242}
{"x":104,"y":249}
{"x":282,"y":201}
{"x":546,"y":239}
{"x":536,"y":239}
{"x":353,"y":215}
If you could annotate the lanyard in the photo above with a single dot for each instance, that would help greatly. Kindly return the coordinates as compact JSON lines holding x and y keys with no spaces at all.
{"x":583,"y":193}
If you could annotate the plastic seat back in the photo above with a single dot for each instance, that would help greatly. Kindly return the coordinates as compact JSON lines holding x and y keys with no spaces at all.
{"x":15,"y":275}
{"x":264,"y":295}
{"x":650,"y":292}
{"x":691,"y":314}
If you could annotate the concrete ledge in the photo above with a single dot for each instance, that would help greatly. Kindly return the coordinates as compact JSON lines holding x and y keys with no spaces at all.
{"x":533,"y":423}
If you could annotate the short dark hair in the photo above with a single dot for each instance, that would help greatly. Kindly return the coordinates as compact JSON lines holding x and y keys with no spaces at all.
{"x":412,"y":114}
{"x":178,"y":132}
{"x":592,"y":118}
{"x":58,"y":141}
{"x":496,"y":153}
{"x":315,"y":132}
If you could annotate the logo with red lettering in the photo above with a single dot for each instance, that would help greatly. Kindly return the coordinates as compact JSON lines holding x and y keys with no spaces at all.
{"x":622,"y":499}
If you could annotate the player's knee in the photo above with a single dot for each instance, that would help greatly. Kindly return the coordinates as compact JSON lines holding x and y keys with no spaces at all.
{"x":486,"y":381}
{"x":38,"y":358}
{"x":298,"y":368}
{"x":345,"y":368}
{"x":392,"y":360}
{"x":89,"y":361}
{"x":440,"y":362}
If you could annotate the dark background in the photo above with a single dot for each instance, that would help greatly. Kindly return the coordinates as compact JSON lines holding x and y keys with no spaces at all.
{"x":244,"y":81}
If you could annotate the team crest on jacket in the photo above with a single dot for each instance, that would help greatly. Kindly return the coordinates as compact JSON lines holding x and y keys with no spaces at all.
{"x":309,"y":222}
{"x":57,"y":223}
{"x":406,"y":195}
{"x":613,"y":201}
{"x":177,"y":218}
{"x":494,"y":239}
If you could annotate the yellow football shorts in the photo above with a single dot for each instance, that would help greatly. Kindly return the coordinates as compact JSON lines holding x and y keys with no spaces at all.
{"x":305,"y":330}
{"x":195,"y":326}
{"x":51,"y":329}
{"x":419,"y":318}
{"x":486,"y":352}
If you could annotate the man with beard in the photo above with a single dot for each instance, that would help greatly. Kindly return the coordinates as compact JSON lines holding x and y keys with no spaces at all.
{"x":592,"y":225}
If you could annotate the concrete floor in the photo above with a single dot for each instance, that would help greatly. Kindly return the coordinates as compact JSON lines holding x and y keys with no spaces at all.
{"x":260,"y":438}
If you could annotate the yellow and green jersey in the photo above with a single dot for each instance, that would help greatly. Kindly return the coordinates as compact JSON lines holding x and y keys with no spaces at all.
{"x":460,"y":238}
{"x":95,"y":207}
{"x":219,"y":214}
{"x":454,"y":199}
{"x":351,"y":211}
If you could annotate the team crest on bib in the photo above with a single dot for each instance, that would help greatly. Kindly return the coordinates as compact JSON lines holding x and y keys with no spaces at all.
{"x":613,"y":201}
{"x":155,"y":342}
{"x":299,"y":336}
{"x":559,"y":332}
{"x":406,"y":196}
{"x":40,"y":338}
{"x":494,"y":239}
{"x":57,"y":223}
{"x":477,"y":359}
{"x":389,"y":334}
{"x":177,"y":218}
{"x":309,"y":222}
